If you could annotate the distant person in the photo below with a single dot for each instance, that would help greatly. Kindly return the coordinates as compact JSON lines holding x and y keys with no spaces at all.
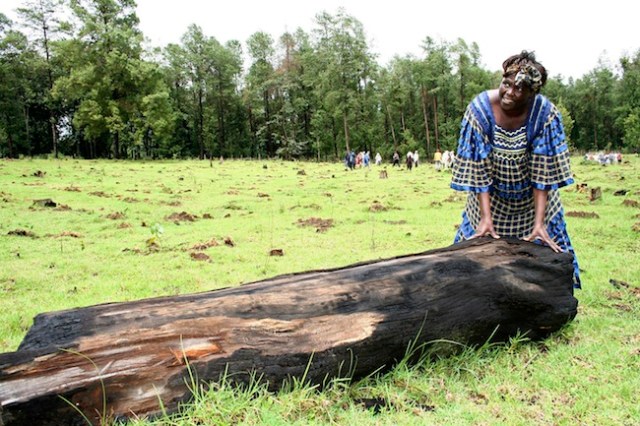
{"x":366,"y":159}
{"x":447,"y":159}
{"x":437,"y":160}
{"x":512,"y":157}
{"x":378,"y":159}
{"x":416,"y":158}
{"x":409,"y":161}
{"x":352,"y":160}
{"x":396,"y":159}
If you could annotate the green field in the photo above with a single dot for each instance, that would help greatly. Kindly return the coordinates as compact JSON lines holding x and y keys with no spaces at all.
{"x":129,"y":230}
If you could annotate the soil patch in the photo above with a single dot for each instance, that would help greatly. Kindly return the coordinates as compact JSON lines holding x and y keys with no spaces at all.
{"x":378,"y":207}
{"x":395,"y":222}
{"x":588,"y":215}
{"x":22,"y":233}
{"x":45,"y":202}
{"x":205,"y":245}
{"x":200,"y":256}
{"x":115,"y":216}
{"x":313,"y":206}
{"x":182,"y":217}
{"x":69,"y":234}
{"x":454,"y":198}
{"x":99,"y":194}
{"x":321,"y":225}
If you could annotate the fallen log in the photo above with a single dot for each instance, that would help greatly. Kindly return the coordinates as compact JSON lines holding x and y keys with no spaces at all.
{"x":115,"y":360}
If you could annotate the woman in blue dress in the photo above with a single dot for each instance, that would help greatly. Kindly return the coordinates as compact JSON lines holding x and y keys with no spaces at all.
{"x":512,"y":158}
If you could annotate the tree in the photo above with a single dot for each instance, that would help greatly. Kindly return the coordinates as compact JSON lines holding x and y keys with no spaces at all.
{"x":108,"y":79}
{"x":261,"y":92}
{"x":593,"y":107}
{"x":203,"y":77}
{"x":436,"y":82}
{"x":19,"y":65}
{"x":629,"y":101}
{"x":42,"y":16}
{"x":345,"y":71}
{"x":631,"y":130}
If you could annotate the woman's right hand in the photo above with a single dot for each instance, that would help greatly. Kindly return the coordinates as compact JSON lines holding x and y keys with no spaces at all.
{"x":485,"y":227}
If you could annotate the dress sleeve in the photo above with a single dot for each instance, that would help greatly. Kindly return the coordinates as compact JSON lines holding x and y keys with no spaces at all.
{"x":471,"y":166}
{"x":550,"y":167}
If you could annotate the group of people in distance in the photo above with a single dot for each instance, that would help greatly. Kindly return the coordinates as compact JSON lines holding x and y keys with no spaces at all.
{"x":353,"y":160}
{"x":443,"y":160}
{"x":363,"y":159}
{"x":511,"y":160}
{"x":412,"y":159}
{"x":604,"y":158}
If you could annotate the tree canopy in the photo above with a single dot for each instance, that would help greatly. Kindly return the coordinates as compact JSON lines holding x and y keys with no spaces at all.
{"x":87,"y":87}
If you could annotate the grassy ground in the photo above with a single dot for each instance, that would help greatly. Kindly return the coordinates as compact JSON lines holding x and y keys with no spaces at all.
{"x":130,"y":230}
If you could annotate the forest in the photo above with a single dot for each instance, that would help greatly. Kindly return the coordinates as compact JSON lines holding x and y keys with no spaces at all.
{"x":77,"y":78}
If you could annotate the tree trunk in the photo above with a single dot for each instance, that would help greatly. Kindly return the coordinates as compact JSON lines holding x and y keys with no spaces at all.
{"x":423,"y":96}
{"x":54,"y":135}
{"x":222,"y":134}
{"x":435,"y":122}
{"x":201,"y":122}
{"x":346,"y":130}
{"x":113,"y":360}
{"x":116,"y":145}
{"x":269,"y":144}
{"x":393,"y":133}
{"x":27,"y":129}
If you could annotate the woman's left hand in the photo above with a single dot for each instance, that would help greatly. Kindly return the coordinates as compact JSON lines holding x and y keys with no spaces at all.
{"x":539,"y":232}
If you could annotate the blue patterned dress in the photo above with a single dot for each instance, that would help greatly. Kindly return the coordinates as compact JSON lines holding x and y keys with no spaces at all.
{"x":509,"y":165}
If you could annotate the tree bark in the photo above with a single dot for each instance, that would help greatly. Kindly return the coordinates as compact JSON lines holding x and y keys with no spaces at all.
{"x":346,"y":130}
{"x":113,"y":360}
{"x":425,"y":115}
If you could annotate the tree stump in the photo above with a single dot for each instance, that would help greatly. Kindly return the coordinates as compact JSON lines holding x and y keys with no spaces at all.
{"x":113,"y":360}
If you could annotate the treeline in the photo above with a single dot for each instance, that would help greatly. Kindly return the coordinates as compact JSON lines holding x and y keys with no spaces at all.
{"x":76,"y":79}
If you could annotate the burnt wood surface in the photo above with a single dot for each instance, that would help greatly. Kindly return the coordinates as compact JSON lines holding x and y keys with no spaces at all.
{"x":355,"y":319}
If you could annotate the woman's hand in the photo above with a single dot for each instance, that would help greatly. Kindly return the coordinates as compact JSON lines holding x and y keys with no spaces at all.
{"x":539,"y":232}
{"x":485,"y":227}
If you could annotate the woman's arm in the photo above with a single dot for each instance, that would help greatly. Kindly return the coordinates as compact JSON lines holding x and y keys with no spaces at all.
{"x":539,"y":231}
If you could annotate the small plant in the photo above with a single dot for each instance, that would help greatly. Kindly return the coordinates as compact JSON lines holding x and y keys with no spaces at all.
{"x":153,"y":243}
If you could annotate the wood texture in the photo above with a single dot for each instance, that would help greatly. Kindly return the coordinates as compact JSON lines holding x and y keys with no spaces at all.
{"x":356,"y":319}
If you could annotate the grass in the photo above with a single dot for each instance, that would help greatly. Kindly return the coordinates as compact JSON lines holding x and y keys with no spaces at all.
{"x":102,"y":243}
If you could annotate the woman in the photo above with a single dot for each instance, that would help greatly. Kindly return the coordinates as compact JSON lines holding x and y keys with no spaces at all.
{"x":512,"y":158}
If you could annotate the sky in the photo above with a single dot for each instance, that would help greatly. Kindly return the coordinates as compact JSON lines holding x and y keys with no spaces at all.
{"x":569,"y":37}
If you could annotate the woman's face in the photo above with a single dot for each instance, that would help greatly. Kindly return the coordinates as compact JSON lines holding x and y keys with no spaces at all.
{"x":512,"y":97}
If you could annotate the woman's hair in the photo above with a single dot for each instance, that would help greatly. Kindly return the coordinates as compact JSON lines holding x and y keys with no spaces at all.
{"x":524,"y":62}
